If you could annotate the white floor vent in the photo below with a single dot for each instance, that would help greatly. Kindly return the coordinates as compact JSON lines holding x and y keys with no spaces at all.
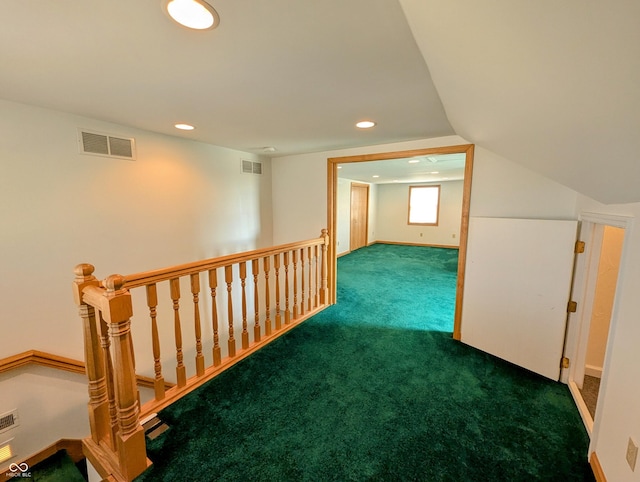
{"x":9,"y":420}
{"x":251,"y":167}
{"x":96,"y":143}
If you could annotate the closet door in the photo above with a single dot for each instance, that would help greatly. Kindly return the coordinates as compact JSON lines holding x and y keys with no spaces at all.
{"x":516,"y":290}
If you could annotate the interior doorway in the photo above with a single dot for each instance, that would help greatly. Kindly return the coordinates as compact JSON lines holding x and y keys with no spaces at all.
{"x":332,"y":217}
{"x":359,"y":216}
{"x":596,"y":281}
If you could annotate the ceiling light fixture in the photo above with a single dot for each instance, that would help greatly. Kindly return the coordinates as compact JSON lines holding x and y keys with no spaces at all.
{"x":269,"y":149}
{"x":366,"y":124}
{"x":194,"y":14}
{"x":414,"y":161}
{"x":184,"y":127}
{"x":375,"y":175}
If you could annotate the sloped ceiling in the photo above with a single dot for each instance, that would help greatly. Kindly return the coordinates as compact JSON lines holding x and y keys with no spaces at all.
{"x":295,"y":75}
{"x":554,"y":86}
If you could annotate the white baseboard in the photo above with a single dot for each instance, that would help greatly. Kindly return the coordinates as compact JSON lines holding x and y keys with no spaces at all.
{"x":593,"y":371}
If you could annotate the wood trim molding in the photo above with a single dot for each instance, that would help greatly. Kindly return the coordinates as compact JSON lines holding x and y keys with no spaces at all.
{"x":332,"y":177}
{"x":597,"y":468}
{"x":50,"y":360}
{"x":402,"y":243}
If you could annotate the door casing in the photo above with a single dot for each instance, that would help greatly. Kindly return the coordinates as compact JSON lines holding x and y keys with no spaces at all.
{"x":332,"y":202}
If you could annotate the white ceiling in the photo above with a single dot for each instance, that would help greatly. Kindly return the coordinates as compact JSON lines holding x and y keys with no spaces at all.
{"x":436,"y":168}
{"x":551,"y":85}
{"x":295,"y":75}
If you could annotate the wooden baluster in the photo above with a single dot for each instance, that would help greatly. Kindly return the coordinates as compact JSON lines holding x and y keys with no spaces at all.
{"x":243,"y":284}
{"x":195,"y":291}
{"x":181,"y":371}
{"x":267,"y":321}
{"x":302,"y":277}
{"x":295,"y":284}
{"x":228,"y":277}
{"x":276,"y":263}
{"x":213,"y":285}
{"x":98,"y":405}
{"x":105,"y":342}
{"x":152,"y":303}
{"x":316,"y":298}
{"x":130,"y":439}
{"x":324,"y":290}
{"x":287,"y":311}
{"x":255,"y":269}
{"x":310,"y":269}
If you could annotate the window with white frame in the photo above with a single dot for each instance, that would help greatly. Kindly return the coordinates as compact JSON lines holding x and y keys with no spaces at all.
{"x":424,"y":205}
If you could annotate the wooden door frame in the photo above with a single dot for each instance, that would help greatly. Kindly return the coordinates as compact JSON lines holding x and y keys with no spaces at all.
{"x":366,"y":221}
{"x":332,"y":191}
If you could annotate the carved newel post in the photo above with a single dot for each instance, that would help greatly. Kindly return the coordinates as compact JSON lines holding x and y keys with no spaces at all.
{"x":117,"y":311}
{"x":98,"y":395}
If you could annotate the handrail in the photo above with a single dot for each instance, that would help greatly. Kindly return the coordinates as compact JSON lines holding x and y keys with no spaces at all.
{"x":268,"y":291}
{"x":147,"y":277}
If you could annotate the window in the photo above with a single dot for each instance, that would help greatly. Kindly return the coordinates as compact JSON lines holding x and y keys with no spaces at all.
{"x":424,"y":205}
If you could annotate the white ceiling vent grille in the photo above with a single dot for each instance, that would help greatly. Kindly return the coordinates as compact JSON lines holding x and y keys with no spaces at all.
{"x":106,"y":145}
{"x":250,"y":167}
{"x":9,"y":420}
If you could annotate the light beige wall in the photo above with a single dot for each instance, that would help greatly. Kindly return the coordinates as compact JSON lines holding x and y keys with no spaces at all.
{"x":178,"y":202}
{"x":608,"y":269}
{"x":393,"y":205}
{"x":500,"y":188}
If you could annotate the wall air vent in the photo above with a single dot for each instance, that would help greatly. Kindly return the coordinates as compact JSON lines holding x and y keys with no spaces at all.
{"x":9,"y":420}
{"x":251,"y":167}
{"x":106,"y":145}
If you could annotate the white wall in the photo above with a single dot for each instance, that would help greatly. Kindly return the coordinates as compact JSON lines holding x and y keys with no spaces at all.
{"x":393,"y":205}
{"x":618,"y":417}
{"x":51,"y":403}
{"x":305,"y":217}
{"x":180,"y":201}
{"x":500,"y":188}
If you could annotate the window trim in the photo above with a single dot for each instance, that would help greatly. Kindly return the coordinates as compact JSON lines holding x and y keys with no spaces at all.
{"x":439,"y":188}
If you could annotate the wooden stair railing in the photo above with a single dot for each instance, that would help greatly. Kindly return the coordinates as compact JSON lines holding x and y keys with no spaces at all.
{"x":252,"y":309}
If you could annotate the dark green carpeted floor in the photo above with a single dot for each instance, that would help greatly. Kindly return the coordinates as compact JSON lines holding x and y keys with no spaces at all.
{"x":375,"y":389}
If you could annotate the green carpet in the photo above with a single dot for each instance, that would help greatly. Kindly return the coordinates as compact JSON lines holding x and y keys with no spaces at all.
{"x":375,"y":389}
{"x":57,"y":468}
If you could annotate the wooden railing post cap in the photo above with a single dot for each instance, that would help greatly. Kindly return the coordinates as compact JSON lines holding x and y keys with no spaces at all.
{"x":84,"y":277}
{"x":114,"y":283}
{"x":83,"y":271}
{"x":118,"y":300}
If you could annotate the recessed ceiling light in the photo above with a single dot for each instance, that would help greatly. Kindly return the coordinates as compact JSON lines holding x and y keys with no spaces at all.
{"x":414,"y":161}
{"x":184,"y":127}
{"x":339,"y":167}
{"x":375,"y":175}
{"x":195,"y":14}
{"x":367,"y":124}
{"x":434,"y":172}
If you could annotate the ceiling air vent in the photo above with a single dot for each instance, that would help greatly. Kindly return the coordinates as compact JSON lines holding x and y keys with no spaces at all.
{"x":9,"y":420}
{"x":250,"y":167}
{"x":106,"y":145}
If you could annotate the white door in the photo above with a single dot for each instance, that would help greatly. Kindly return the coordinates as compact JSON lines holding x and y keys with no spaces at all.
{"x":516,"y":289}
